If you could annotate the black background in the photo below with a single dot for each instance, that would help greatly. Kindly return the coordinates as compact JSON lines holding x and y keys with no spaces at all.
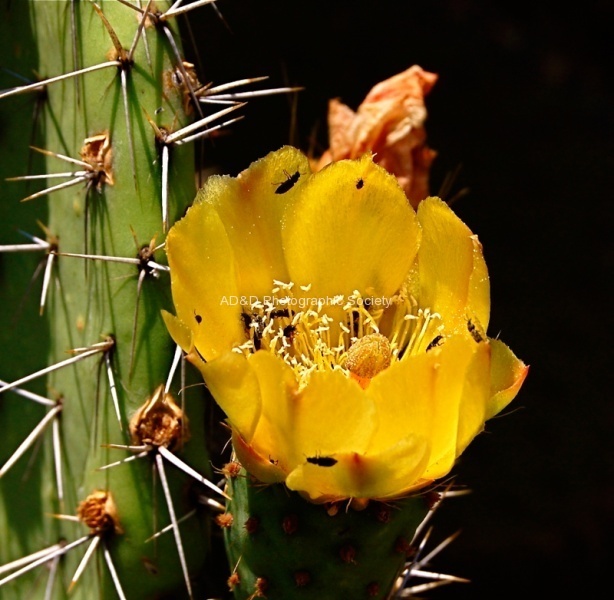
{"x":523,"y":107}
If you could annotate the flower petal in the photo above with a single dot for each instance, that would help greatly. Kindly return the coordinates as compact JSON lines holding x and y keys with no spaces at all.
{"x":404,"y":395}
{"x":445,"y":263}
{"x":506,"y":376}
{"x":253,"y":392}
{"x":179,"y":331}
{"x":460,"y":414}
{"x":479,"y":286}
{"x":331,"y":415}
{"x":475,"y":396}
{"x":426,"y":396}
{"x":203,"y":281}
{"x":354,"y":475}
{"x":273,"y":437}
{"x":262,"y":468}
{"x":234,"y":385}
{"x":251,"y":208}
{"x":351,"y":229}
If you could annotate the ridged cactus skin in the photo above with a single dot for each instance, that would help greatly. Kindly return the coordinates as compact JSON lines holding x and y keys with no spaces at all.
{"x":90,"y":300}
{"x":281,"y":546}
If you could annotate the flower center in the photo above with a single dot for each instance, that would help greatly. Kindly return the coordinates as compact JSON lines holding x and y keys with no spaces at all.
{"x":356,"y":335}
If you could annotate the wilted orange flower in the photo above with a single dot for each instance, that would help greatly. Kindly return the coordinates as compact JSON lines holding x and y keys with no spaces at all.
{"x":389,"y":123}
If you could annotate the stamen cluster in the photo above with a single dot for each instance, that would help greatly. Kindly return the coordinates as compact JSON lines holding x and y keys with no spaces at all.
{"x":309,"y":339}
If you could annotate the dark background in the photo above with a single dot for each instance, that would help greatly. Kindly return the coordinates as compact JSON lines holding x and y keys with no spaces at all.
{"x":523,"y":107}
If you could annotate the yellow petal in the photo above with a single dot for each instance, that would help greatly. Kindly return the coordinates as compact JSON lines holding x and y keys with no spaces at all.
{"x":234,"y":386}
{"x":251,"y":208}
{"x":445,"y":262}
{"x":179,"y":331}
{"x":475,"y":396}
{"x":331,"y":415}
{"x":427,"y":396}
{"x":274,"y":438}
{"x":203,"y":281}
{"x":507,"y":375}
{"x":260,"y":466}
{"x":182,"y":335}
{"x":404,"y":396}
{"x":479,"y":287}
{"x":355,"y":475}
{"x":252,"y":392}
{"x":456,"y":356}
{"x":400,"y":468}
{"x":351,"y":229}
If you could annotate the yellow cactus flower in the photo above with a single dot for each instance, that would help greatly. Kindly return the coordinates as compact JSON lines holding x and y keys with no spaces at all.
{"x":342,"y":332}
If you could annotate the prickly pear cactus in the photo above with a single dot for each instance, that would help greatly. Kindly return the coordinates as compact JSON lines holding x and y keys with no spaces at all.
{"x":84,"y":280}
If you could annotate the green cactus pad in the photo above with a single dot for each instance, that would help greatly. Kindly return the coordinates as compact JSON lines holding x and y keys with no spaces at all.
{"x":280,"y":546}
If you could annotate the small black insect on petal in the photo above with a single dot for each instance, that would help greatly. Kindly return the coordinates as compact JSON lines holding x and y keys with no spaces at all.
{"x":198,"y":318}
{"x":436,"y":342}
{"x":322,"y":461}
{"x":473,"y":330}
{"x":257,"y":341}
{"x":287,"y":185}
{"x":253,"y":325}
{"x":289,"y":332}
{"x":360,"y":184}
{"x":247,"y":320}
